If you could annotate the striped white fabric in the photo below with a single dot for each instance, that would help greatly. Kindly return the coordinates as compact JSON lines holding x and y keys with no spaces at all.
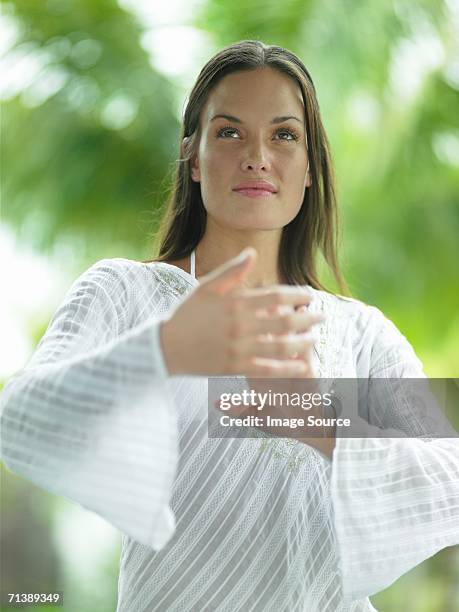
{"x":218,"y":524}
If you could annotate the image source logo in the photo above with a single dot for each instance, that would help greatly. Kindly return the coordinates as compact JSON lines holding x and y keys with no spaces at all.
{"x":297,"y":408}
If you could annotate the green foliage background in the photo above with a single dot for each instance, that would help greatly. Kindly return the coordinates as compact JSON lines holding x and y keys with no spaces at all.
{"x":88,"y":165}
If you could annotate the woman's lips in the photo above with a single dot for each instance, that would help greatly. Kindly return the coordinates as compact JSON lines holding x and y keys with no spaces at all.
{"x":255,"y":193}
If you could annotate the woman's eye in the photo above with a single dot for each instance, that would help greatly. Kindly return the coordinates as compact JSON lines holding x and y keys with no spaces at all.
{"x":224,"y":130}
{"x":290,"y":135}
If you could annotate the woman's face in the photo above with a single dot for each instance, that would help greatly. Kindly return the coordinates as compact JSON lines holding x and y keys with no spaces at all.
{"x":252,"y":129}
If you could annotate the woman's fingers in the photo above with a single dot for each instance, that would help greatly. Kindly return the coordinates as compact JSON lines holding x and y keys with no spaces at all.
{"x":269,"y":368}
{"x":287,"y":347}
{"x":285,"y":323}
{"x":219,"y":330}
{"x":267,"y":298}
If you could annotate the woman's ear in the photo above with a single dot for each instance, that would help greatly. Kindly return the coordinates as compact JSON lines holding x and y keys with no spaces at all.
{"x":194,"y":164}
{"x":183,"y":146}
{"x":195,"y":172}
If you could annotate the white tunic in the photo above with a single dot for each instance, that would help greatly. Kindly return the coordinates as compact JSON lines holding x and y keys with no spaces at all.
{"x":264,"y":524}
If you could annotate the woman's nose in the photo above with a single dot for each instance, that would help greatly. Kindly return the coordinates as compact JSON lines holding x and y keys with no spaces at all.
{"x":255,"y":165}
{"x":256,"y":159}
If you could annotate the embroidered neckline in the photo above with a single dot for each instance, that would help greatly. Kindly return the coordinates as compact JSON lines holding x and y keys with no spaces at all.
{"x":173,"y":277}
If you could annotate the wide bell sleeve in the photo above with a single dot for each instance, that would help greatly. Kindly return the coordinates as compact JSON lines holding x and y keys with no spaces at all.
{"x":91,"y":416}
{"x":395,"y":500}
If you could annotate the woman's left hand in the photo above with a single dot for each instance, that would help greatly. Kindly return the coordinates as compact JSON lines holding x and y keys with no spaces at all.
{"x":301,"y":388}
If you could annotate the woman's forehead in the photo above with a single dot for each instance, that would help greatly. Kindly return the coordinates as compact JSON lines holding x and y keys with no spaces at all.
{"x":263,"y":92}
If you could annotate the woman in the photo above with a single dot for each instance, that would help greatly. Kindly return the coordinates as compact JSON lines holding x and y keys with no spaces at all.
{"x":111,"y":412}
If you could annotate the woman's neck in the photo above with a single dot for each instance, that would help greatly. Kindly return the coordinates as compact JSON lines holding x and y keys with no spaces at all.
{"x":210,"y":254}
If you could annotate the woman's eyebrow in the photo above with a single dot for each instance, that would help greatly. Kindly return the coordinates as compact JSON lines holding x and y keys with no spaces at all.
{"x":275,"y":120}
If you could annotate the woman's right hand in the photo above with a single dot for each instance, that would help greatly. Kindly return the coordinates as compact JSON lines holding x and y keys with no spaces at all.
{"x":223,"y":329}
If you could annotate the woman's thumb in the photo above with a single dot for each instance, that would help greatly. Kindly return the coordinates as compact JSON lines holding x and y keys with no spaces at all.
{"x":227,"y":276}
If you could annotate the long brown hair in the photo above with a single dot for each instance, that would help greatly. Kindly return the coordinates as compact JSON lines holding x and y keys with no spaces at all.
{"x":315,"y":229}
